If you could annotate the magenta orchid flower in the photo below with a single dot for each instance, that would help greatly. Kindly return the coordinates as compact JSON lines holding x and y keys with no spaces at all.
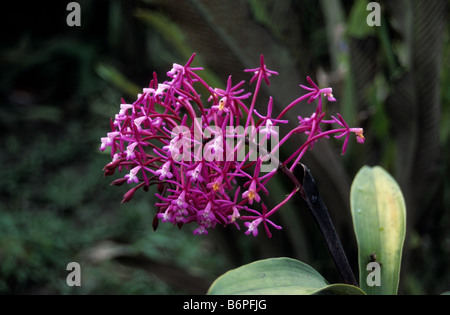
{"x":209,"y":169}
{"x":261,"y":72}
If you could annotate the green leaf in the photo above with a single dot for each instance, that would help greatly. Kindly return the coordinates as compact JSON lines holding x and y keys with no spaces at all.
{"x":357,"y":26}
{"x":276,"y":276}
{"x":168,"y":29}
{"x":339,"y":289}
{"x":379,"y":218}
{"x":174,"y":34}
{"x":115,"y":77}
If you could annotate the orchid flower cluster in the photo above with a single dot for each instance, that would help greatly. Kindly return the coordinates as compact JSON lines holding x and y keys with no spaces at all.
{"x":208,"y":155}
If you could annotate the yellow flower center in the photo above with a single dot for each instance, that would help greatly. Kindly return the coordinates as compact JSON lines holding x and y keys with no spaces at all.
{"x":221,"y":104}
{"x":251,"y":195}
{"x":360,"y":134}
{"x":216,"y":186}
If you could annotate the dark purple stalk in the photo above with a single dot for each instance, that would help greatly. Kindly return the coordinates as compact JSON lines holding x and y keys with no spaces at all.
{"x":306,"y":188}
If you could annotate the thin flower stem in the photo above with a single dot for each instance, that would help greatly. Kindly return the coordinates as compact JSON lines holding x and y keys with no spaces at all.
{"x":252,"y":105}
{"x":282,"y":203}
{"x":295,"y":102}
{"x":312,"y":139}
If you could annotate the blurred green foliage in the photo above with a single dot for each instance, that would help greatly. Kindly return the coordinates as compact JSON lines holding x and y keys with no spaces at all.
{"x":59,"y":86}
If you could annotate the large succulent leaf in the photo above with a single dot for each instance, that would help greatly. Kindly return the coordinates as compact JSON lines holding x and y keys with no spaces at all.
{"x":280,"y":276}
{"x":379,"y":218}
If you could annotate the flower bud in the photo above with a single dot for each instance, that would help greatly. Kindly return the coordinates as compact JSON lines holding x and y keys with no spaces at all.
{"x":118,"y":182}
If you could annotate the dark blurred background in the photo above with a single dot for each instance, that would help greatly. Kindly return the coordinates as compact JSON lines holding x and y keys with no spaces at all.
{"x":59,"y":86}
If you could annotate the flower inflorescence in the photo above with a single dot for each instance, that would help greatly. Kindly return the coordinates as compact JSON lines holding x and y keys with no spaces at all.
{"x":207,"y":167}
